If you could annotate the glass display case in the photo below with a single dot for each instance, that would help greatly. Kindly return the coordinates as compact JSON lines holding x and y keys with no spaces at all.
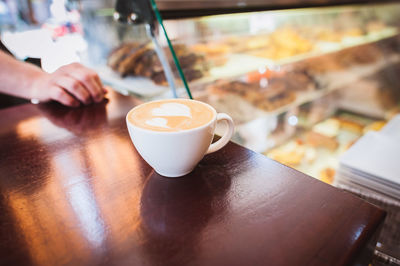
{"x":302,"y":85}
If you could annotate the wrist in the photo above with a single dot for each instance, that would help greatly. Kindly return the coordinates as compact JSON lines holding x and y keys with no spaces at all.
{"x":38,"y":86}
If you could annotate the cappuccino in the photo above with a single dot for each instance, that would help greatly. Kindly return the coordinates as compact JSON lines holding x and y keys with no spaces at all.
{"x":171,"y":115}
{"x":173,"y":135}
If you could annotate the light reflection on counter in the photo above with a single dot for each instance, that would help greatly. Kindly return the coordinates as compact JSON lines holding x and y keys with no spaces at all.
{"x":82,"y":181}
{"x":35,"y":127}
{"x":81,"y":200}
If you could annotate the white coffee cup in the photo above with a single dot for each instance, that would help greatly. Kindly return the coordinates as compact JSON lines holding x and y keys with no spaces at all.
{"x":176,"y":153}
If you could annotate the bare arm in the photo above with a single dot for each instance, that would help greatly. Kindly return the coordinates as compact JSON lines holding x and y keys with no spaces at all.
{"x":70,"y":85}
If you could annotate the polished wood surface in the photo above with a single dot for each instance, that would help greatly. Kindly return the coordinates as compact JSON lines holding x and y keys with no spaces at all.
{"x":74,"y":191}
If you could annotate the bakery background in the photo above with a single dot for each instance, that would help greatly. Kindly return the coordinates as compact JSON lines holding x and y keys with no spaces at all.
{"x":303,"y":80}
{"x":302,"y":84}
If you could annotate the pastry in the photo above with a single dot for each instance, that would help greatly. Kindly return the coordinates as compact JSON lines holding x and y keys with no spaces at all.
{"x":375,"y":26}
{"x":120,"y":53}
{"x":216,"y":53}
{"x":210,"y":49}
{"x":290,"y":154}
{"x":320,"y":65}
{"x":329,"y":127}
{"x":350,"y":125}
{"x":299,"y":81}
{"x":310,"y":155}
{"x":256,"y":76}
{"x":353,"y":32}
{"x":257,"y":42}
{"x":350,"y":143}
{"x":283,"y":43}
{"x":365,"y":54}
{"x":134,"y":59}
{"x":328,"y":35}
{"x":315,"y":139}
{"x":268,"y":98}
{"x":374,"y":126}
{"x":327,"y":175}
{"x":392,"y":112}
{"x":128,"y":63}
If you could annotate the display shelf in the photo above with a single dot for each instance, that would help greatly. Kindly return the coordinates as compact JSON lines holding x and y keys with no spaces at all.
{"x":348,"y":42}
{"x":254,"y":126}
{"x":139,"y":86}
{"x":238,"y":64}
{"x":243,"y":111}
{"x":323,"y":157}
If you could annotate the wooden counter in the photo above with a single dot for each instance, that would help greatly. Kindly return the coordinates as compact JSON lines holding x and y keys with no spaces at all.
{"x":74,"y":191}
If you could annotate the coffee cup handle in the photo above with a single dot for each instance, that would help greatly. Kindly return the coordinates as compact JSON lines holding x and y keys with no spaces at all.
{"x":227,"y":135}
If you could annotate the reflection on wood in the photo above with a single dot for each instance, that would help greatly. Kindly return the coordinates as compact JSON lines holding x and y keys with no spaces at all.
{"x":87,"y":198}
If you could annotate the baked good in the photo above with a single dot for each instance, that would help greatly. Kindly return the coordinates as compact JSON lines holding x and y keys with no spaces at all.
{"x":364,"y":54}
{"x":352,"y":32}
{"x":327,"y":35}
{"x":216,"y":53}
{"x":149,"y":58}
{"x":315,"y":139}
{"x":290,"y":154}
{"x":310,"y":155}
{"x":350,"y":143}
{"x":120,"y":53}
{"x":337,"y":61}
{"x":256,"y":76}
{"x":392,"y":112}
{"x":299,"y":81}
{"x":210,"y":49}
{"x":320,"y":64}
{"x":128,"y":63}
{"x":282,"y":43}
{"x":140,"y":59}
{"x":374,"y":126}
{"x":257,"y":42}
{"x":350,"y":125}
{"x":327,"y":175}
{"x":268,"y":98}
{"x":375,"y":26}
{"x":329,"y":127}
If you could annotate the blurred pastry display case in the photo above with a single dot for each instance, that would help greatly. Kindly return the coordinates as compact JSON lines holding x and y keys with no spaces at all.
{"x":301,"y":84}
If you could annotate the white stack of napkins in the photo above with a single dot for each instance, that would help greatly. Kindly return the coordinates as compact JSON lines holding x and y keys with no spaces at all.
{"x":373,"y":162}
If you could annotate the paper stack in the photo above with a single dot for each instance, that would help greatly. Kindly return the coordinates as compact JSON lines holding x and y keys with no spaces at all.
{"x":372,"y":164}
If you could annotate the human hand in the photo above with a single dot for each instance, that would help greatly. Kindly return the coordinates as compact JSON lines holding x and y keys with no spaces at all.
{"x":70,"y":85}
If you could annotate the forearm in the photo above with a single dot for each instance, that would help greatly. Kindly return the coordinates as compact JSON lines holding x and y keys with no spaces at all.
{"x":70,"y":85}
{"x":16,"y":77}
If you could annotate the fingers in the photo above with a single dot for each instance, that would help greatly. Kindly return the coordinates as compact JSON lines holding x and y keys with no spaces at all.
{"x":88,"y":78}
{"x":75,"y":88}
{"x":60,"y":95}
{"x":98,"y":81}
{"x":74,"y":84}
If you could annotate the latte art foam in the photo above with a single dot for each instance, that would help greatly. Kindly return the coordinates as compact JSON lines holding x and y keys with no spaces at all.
{"x":171,"y":115}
